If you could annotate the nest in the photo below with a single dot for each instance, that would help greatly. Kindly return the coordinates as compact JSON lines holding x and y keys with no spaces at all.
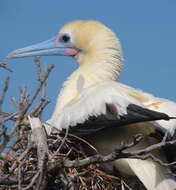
{"x":24,"y":169}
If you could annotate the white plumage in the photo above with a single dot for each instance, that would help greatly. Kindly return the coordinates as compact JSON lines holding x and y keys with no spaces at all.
{"x":92,"y":102}
{"x":89,"y":90}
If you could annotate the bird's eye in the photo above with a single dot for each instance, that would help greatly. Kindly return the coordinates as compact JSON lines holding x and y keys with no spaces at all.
{"x":65,"y":38}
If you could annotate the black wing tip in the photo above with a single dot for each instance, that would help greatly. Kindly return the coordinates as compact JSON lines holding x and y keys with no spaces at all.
{"x":154,"y":115}
{"x":172,"y":117}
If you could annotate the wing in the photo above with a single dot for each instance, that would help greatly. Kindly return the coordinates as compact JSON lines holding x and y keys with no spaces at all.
{"x":135,"y":114}
{"x":156,"y":104}
{"x":101,"y":106}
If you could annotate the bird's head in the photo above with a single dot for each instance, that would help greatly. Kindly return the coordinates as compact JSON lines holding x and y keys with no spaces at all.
{"x":86,"y":41}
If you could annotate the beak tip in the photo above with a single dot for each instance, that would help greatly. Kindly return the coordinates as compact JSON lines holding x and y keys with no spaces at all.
{"x":9,"y":56}
{"x":12,"y":55}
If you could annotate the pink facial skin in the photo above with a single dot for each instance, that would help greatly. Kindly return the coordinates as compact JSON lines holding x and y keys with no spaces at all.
{"x":70,"y":51}
{"x":58,"y":36}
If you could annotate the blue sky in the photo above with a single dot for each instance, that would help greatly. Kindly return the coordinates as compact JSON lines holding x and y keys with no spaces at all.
{"x":147,"y":31}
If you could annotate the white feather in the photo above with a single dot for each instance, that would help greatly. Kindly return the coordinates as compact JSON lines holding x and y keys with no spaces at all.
{"x":152,"y":175}
{"x":92,"y":102}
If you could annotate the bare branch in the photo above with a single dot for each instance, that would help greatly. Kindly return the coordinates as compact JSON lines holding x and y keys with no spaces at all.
{"x":4,"y":91}
{"x":4,"y":65}
{"x":39,"y":137}
{"x":120,"y":153}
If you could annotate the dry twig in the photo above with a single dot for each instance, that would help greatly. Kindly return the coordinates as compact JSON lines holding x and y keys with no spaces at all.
{"x":4,"y":66}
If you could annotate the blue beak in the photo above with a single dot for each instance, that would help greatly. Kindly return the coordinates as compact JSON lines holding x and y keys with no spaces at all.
{"x":47,"y":48}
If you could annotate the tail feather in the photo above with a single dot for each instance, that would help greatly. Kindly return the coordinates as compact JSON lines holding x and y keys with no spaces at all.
{"x":152,"y":175}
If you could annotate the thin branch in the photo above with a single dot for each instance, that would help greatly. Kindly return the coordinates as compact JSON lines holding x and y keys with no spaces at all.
{"x":21,"y":157}
{"x":4,"y":91}
{"x":39,"y":108}
{"x":11,"y":180}
{"x":33,"y":181}
{"x":4,"y":66}
{"x":117,"y":154}
{"x":24,"y":105}
{"x":19,"y":176}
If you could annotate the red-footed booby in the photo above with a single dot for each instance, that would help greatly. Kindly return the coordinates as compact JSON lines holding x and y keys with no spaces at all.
{"x":92,"y":91}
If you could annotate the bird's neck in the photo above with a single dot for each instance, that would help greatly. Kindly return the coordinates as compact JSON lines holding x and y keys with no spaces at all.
{"x":85,"y":76}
